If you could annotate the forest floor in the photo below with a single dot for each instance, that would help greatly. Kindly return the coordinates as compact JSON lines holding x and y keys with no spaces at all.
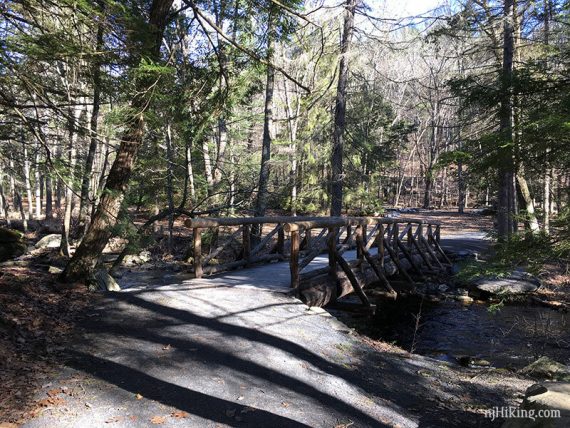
{"x":202,"y":353}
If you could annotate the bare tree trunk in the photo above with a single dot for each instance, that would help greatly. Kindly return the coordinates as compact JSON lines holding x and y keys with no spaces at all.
{"x":3,"y":202}
{"x":18,"y":203}
{"x":85,"y":258}
{"x":49,"y":196}
{"x":506,"y":194}
{"x":428,"y":188}
{"x":460,"y":186}
{"x":264,"y":171}
{"x":64,"y":246}
{"x":292,"y":124}
{"x":340,"y":112}
{"x":208,"y":167}
{"x":12,"y":180}
{"x":27,"y":180}
{"x":190,"y":172}
{"x":221,"y":145}
{"x":546,"y":201}
{"x":85,"y":204}
{"x":532,"y":222}
{"x":170,"y":184}
{"x":548,"y":170}
{"x":38,"y":182}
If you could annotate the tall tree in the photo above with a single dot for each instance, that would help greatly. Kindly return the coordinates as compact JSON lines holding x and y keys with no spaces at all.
{"x":340,"y":111}
{"x":505,"y":209}
{"x":145,"y":51}
{"x":261,"y":201}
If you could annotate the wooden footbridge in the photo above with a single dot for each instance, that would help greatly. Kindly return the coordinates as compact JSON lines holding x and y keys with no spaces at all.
{"x":361,"y":251}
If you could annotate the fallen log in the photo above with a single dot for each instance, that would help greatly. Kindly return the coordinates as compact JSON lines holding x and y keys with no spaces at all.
{"x":320,"y":287}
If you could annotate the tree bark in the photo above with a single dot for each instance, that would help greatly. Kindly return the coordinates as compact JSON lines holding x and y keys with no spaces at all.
{"x":49,"y":196}
{"x":264,"y":171}
{"x":505,"y":154}
{"x":27,"y":180}
{"x":170,"y":184}
{"x":85,"y":204}
{"x":532,"y":222}
{"x":74,"y":119}
{"x":340,"y":112}
{"x":99,"y":232}
{"x":38,"y":183}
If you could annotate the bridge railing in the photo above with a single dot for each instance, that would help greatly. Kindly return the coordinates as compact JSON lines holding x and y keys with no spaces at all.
{"x":239,"y":242}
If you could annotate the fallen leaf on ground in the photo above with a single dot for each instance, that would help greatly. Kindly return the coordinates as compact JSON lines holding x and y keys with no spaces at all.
{"x":139,"y":397}
{"x":53,"y":392}
{"x":51,"y":401}
{"x":179,"y":414}
{"x":157,"y":420}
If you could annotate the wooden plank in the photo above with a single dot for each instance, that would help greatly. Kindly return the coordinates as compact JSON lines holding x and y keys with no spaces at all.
{"x":291,"y":222}
{"x":440,"y":250}
{"x":380,"y":243}
{"x":424,"y":241}
{"x":265,"y":240}
{"x":280,"y":245}
{"x":264,"y":258}
{"x":331,"y":244}
{"x":221,"y":248}
{"x":420,"y":251}
{"x":371,"y":238}
{"x":294,"y":259}
{"x":198,"y":271}
{"x":317,"y":249}
{"x":246,"y":242}
{"x":396,"y":260}
{"x":353,"y":281}
{"x":379,"y":272}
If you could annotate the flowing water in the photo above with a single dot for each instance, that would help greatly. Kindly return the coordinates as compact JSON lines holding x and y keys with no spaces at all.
{"x":512,"y":336}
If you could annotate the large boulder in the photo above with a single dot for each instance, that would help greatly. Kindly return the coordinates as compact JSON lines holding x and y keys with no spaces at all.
{"x":518,"y":282}
{"x":542,"y":400}
{"x":49,"y":241}
{"x":12,"y":244}
{"x":546,"y":368}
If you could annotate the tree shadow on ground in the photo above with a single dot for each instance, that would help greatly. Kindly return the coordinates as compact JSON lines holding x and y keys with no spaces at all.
{"x":394,"y":382}
{"x":194,"y":402}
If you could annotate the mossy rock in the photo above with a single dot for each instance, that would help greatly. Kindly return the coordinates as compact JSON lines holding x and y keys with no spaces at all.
{"x":12,"y":244}
{"x":10,"y":235}
{"x":546,"y":368}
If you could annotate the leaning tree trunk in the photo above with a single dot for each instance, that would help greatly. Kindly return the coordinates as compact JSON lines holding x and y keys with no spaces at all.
{"x":340,"y":112}
{"x":531,"y":222}
{"x":87,"y":255}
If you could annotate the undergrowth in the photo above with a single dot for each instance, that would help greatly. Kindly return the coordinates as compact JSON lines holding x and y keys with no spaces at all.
{"x":524,"y":250}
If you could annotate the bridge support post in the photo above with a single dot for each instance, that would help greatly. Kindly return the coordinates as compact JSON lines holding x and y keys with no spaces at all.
{"x":198,"y":270}
{"x":294,"y":259}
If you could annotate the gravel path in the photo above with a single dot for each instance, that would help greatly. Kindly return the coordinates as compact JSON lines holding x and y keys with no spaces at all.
{"x":234,"y":350}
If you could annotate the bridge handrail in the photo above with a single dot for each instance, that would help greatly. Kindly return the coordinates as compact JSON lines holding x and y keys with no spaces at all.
{"x":299,"y":229}
{"x":304,"y":222}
